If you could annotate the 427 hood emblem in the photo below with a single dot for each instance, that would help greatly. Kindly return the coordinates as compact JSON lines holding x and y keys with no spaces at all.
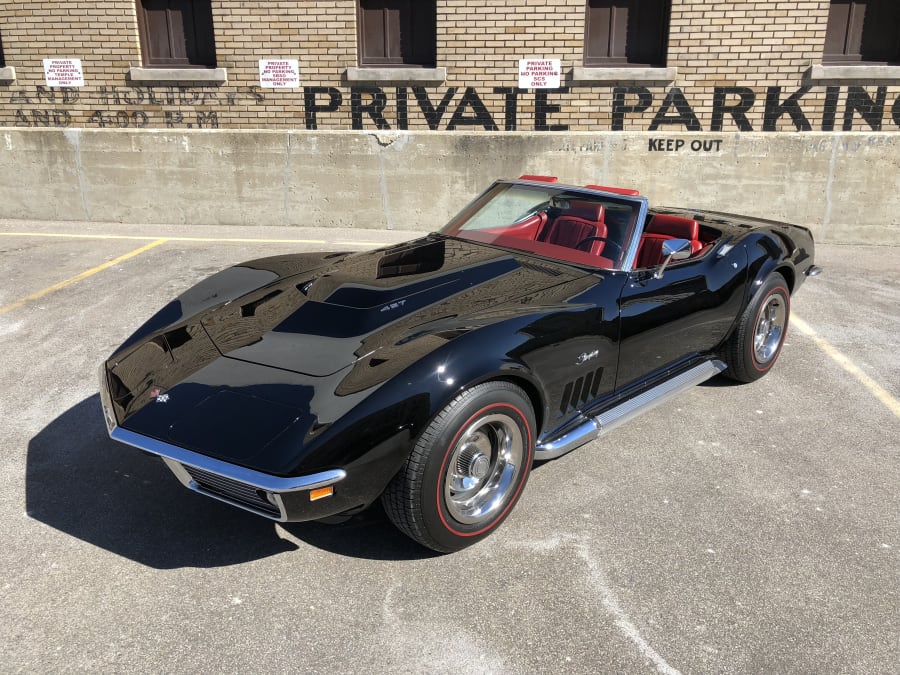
{"x":393,"y":305}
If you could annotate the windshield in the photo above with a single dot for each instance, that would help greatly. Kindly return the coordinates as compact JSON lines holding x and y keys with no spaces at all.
{"x":586,"y":228}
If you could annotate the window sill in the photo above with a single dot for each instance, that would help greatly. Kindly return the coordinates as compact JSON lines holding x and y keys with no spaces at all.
{"x":616,"y":74}
{"x":8,"y":74}
{"x":218,"y":75}
{"x":838,"y":73}
{"x":398,"y":75}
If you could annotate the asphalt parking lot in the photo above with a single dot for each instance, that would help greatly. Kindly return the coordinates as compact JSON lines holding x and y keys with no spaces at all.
{"x":750,"y":528}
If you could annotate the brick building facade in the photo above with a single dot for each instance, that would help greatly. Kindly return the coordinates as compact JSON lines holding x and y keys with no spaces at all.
{"x":715,"y":67}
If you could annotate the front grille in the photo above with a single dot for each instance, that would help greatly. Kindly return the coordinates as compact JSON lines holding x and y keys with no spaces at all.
{"x":231,"y":490}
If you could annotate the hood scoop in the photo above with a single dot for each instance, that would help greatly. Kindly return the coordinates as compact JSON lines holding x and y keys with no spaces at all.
{"x":398,"y":275}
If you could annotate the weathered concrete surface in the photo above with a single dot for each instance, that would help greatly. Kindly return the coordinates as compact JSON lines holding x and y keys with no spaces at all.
{"x":735,"y":529}
{"x":846,"y":186}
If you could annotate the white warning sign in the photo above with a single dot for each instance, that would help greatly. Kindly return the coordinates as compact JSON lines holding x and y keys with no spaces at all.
{"x":279,"y":73}
{"x":539,"y":73}
{"x":63,"y":73}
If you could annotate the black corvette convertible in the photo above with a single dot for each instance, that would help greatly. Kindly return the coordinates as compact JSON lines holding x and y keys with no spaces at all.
{"x":433,"y":373}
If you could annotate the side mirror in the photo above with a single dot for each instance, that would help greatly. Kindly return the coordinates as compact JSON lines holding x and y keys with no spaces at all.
{"x":673,"y":249}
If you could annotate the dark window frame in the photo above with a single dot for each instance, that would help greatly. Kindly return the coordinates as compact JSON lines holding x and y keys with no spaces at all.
{"x":189,"y":39}
{"x":626,"y":33}
{"x":863,"y":32}
{"x":2,"y":56}
{"x":408,"y":39}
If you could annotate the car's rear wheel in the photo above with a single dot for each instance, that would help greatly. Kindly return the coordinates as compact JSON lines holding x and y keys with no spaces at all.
{"x":756,"y":342}
{"x":466,"y":470}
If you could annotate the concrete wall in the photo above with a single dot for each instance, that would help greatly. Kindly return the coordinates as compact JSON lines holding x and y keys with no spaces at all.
{"x":846,"y":186}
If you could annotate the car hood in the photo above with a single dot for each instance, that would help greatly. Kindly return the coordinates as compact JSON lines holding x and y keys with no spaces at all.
{"x":320,"y":322}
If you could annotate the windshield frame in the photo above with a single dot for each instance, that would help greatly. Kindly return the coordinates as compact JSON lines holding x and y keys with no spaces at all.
{"x":455,"y":227}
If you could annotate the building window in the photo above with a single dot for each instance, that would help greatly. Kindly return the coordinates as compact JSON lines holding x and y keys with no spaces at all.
{"x":177,"y":33}
{"x":397,"y":33}
{"x":626,"y":32}
{"x":863,"y":31}
{"x":2,"y":58}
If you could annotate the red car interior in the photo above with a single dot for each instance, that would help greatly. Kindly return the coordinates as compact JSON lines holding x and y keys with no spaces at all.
{"x":524,"y":229}
{"x":661,"y":228}
{"x":540,"y":248}
{"x":559,"y":237}
{"x":580,"y":221}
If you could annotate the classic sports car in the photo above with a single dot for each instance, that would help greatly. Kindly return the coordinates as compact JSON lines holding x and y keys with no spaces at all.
{"x":433,"y":373}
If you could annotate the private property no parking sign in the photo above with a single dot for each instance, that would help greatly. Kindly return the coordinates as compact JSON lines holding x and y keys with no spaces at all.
{"x":63,"y":73}
{"x":539,"y":73}
{"x":279,"y":73}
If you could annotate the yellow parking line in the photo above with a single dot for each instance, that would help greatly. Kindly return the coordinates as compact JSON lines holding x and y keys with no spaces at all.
{"x":373,"y":244}
{"x":844,"y":362}
{"x":249,"y":240}
{"x":79,"y":277}
{"x":236,"y":240}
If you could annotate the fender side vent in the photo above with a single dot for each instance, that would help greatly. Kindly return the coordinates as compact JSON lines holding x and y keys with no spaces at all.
{"x":580,"y":391}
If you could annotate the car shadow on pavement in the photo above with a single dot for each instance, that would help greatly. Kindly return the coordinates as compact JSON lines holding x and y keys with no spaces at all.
{"x":367,"y":535}
{"x":81,"y":482}
{"x":720,"y":381}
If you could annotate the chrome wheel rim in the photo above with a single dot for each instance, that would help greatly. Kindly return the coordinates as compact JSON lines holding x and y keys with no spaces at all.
{"x":769,"y":328}
{"x":483,"y":469}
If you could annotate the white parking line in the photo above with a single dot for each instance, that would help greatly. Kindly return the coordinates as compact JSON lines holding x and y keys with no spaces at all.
{"x":621,"y":619}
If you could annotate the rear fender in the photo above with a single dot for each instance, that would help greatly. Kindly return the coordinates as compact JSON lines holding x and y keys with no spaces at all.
{"x":766,"y":254}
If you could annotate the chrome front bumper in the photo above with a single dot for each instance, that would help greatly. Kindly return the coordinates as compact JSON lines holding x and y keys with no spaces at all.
{"x":259,"y":493}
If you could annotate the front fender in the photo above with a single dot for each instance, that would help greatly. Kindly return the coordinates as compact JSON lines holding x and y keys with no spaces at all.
{"x":224,"y":286}
{"x":479,"y":355}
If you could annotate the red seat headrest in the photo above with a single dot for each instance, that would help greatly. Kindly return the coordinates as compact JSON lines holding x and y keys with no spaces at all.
{"x":678,"y":227}
{"x":584,"y":210}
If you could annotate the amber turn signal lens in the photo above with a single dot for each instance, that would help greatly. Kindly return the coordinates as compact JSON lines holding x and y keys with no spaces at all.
{"x":320,"y":493}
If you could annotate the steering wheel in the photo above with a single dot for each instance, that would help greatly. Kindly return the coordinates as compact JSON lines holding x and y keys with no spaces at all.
{"x":609,"y":242}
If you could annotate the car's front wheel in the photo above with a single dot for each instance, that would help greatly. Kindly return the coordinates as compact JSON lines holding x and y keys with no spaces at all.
{"x":754,"y":346}
{"x":466,"y":470}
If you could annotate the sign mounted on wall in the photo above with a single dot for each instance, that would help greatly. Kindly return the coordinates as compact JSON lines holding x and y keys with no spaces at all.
{"x":279,"y":73}
{"x":63,"y":73}
{"x":539,"y":73}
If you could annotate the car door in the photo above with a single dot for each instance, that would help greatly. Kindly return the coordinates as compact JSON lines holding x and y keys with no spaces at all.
{"x":688,"y":311}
